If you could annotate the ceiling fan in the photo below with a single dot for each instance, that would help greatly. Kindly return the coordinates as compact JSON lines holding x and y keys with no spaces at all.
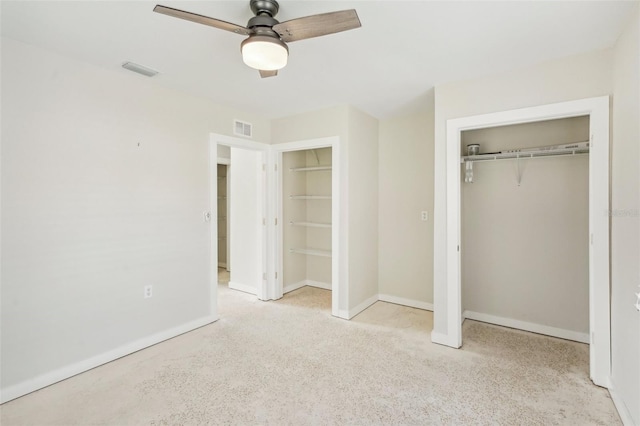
{"x":266,"y":47}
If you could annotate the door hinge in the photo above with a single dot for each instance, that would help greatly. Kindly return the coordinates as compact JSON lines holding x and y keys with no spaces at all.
{"x":591,"y":239}
{"x":275,"y":167}
{"x":264,"y":276}
{"x":276,"y":221}
{"x":264,"y":221}
{"x":276,"y":275}
{"x":264,"y":167}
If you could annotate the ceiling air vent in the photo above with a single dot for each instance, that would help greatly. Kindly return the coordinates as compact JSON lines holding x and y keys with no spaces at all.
{"x":140,"y":69}
{"x":241,"y":128}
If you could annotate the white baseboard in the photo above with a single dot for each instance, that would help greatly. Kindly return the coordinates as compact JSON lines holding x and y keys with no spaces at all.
{"x":362,"y":306}
{"x":443,"y":339}
{"x":303,"y":283}
{"x":528,"y":326}
{"x":623,"y":410}
{"x":47,"y":379}
{"x":406,"y":302}
{"x":341,"y":313}
{"x":243,"y":287}
{"x":318,"y":284}
{"x":294,"y":286}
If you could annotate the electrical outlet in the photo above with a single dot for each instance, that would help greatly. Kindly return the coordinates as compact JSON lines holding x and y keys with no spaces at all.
{"x":424,"y":215}
{"x":148,"y":291}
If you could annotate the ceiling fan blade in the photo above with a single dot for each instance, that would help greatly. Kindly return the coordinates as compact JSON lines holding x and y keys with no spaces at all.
{"x":201,"y":19}
{"x":265,"y":74}
{"x":317,"y":25}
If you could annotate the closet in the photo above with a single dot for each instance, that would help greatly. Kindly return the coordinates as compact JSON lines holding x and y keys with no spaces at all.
{"x":223,"y":243}
{"x":525,"y":226}
{"x":306,"y":225}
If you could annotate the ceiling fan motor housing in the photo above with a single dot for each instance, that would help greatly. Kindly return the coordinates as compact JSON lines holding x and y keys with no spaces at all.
{"x":260,"y":7}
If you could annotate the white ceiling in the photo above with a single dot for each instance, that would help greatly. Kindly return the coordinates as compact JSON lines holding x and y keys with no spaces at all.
{"x":386,"y":67}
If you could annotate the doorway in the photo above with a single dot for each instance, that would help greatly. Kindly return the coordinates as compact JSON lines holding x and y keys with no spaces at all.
{"x":310,"y":200}
{"x":447,"y":290}
{"x":238,"y":204}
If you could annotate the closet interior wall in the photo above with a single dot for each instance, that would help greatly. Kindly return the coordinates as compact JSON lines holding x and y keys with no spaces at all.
{"x":223,"y":243}
{"x":525,"y":248}
{"x":307,"y":219}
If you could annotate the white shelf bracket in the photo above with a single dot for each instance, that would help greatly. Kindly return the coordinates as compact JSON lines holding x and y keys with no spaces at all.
{"x":518,"y":171}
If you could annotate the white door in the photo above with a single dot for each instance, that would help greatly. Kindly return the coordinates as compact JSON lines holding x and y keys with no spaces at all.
{"x":246,"y":225}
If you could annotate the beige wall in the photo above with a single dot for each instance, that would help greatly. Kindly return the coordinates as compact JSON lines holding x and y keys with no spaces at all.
{"x":625,"y":221}
{"x":318,"y":183}
{"x":570,"y":78}
{"x":525,"y":248}
{"x":405,"y":185}
{"x":104,"y":180}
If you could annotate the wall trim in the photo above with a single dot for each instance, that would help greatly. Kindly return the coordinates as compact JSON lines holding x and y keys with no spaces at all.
{"x":47,"y":379}
{"x":412,"y":303}
{"x":362,"y":306}
{"x":306,"y":283}
{"x":528,"y":326}
{"x":621,"y":407}
{"x":243,"y":287}
{"x":319,"y":284}
{"x":292,"y":287}
{"x":444,"y":339}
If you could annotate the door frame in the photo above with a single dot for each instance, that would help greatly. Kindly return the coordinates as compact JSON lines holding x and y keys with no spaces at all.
{"x":599,"y":262}
{"x":339,"y":272}
{"x":233,"y":142}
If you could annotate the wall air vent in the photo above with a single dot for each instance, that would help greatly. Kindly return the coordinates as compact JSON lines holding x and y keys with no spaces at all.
{"x":241,"y":128}
{"x":140,"y":69}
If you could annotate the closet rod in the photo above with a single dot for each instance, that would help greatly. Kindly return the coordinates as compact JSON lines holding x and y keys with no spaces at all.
{"x":522,"y":155}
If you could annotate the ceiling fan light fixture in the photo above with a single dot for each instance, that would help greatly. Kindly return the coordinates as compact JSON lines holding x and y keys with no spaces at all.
{"x":264,"y":53}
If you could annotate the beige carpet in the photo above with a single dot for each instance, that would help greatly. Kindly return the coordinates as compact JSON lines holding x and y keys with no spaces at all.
{"x":290,"y":363}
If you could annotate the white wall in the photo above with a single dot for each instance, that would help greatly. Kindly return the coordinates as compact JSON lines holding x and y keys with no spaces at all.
{"x":105,"y":178}
{"x":245,"y":221}
{"x":571,"y":78}
{"x":525,"y":248}
{"x":405,"y":185}
{"x":363,"y":209}
{"x":625,"y":226}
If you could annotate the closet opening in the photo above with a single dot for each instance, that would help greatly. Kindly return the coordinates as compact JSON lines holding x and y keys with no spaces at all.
{"x":308,"y":243}
{"x":306,"y":223}
{"x":525,"y":226}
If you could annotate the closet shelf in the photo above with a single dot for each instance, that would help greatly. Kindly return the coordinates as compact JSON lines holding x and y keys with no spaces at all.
{"x":310,"y":169}
{"x":311,"y":224}
{"x":310,"y":197}
{"x":222,"y":198}
{"x":523,"y":154}
{"x":312,"y":252}
{"x":552,"y":151}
